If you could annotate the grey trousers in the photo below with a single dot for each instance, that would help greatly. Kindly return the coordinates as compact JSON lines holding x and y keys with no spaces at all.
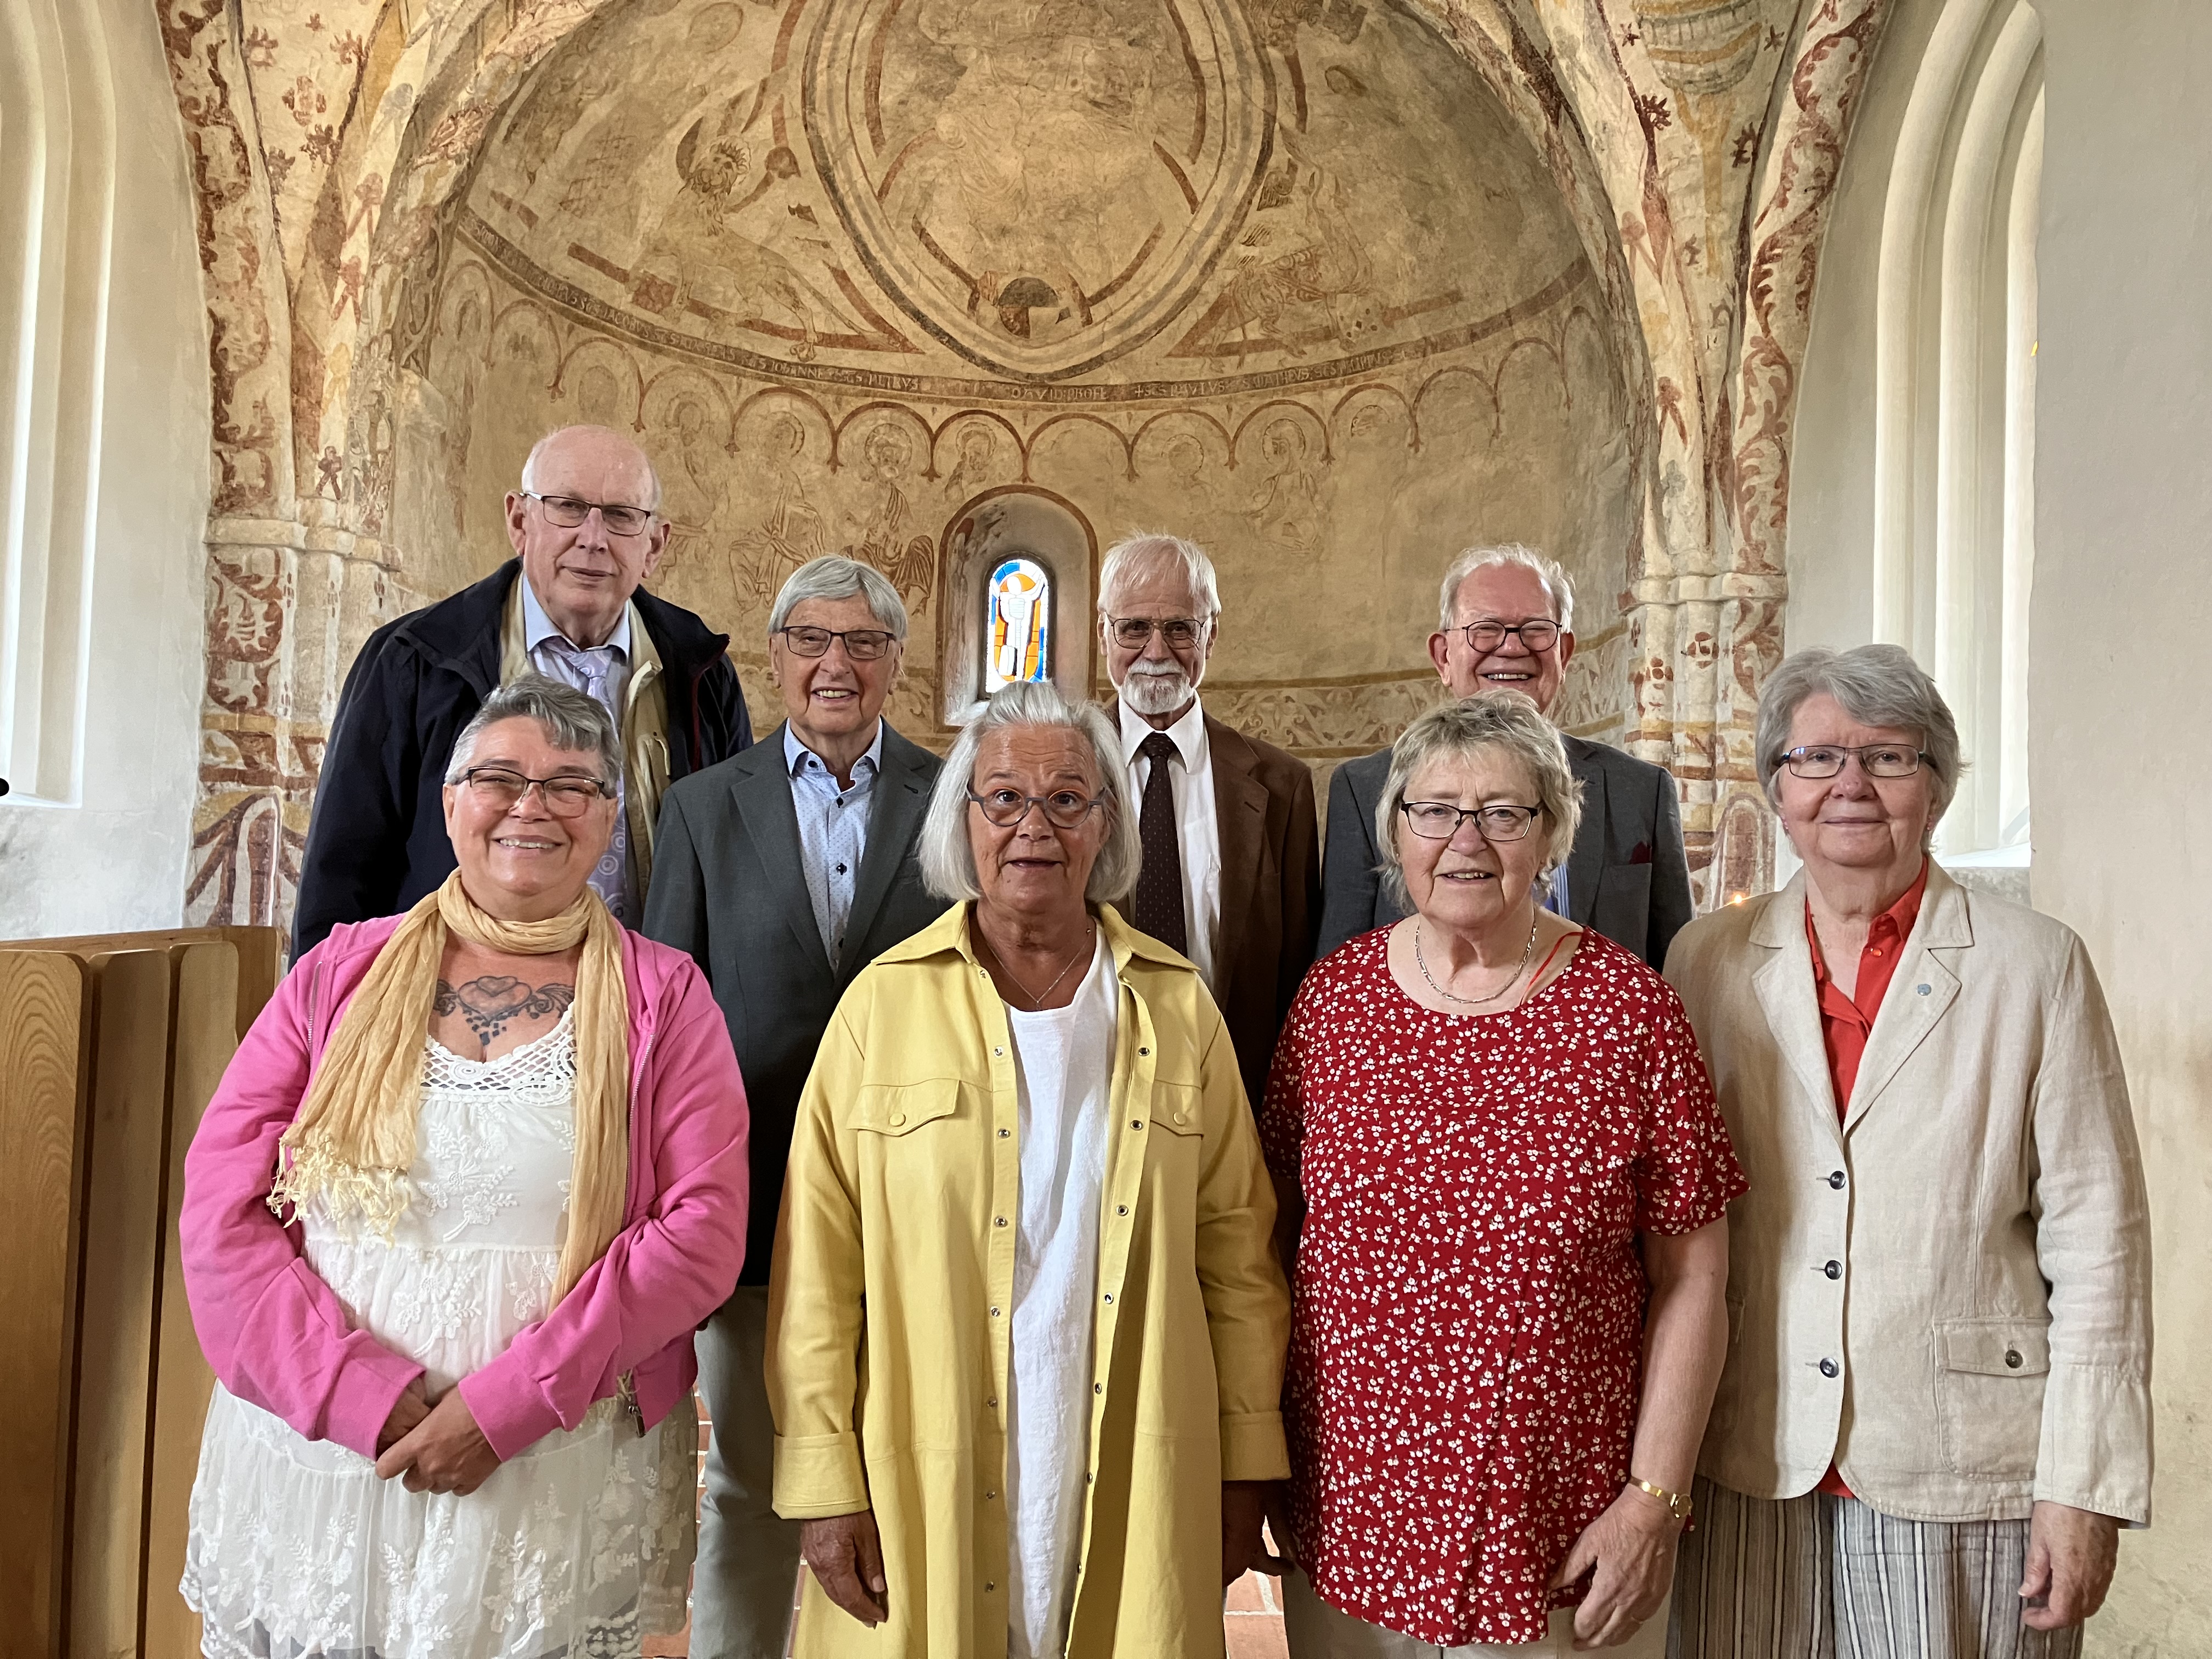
{"x":747,"y":1572}
{"x":1823,"y":1577}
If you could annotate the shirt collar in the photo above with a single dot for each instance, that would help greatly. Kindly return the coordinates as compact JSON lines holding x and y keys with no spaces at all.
{"x":1901,"y":916}
{"x":1187,"y":735}
{"x":538,"y":626}
{"x":796,"y":754}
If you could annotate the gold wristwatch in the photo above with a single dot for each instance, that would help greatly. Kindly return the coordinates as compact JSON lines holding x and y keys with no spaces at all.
{"x":1677,"y":1503}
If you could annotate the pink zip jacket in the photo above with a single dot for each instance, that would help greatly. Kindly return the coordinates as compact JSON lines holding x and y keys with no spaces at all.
{"x":278,"y":1336}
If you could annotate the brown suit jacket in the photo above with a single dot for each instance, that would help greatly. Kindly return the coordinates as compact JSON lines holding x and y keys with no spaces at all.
{"x":1263,"y":806}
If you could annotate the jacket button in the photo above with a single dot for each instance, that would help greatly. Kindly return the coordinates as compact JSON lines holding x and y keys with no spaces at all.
{"x":2013,"y":1359}
{"x":1835,"y":1180}
{"x":1144,"y":1051}
{"x":988,"y":1495}
{"x":1828,"y":1367}
{"x":999,"y":1052}
{"x":1924,"y":990}
{"x":1834,"y":1269}
{"x":993,"y":1402}
{"x":1179,"y":1117}
{"x":1120,"y":1209}
{"x":1110,"y":1296}
{"x":1136,"y":1123}
{"x":1097,"y":1388}
{"x":994,"y":1314}
{"x":998,"y":1221}
{"x":897,"y":1118}
{"x":1003,"y":1134}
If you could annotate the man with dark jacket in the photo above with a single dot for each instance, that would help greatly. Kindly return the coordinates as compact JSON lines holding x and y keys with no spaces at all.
{"x":1508,"y":625}
{"x":586,"y":531}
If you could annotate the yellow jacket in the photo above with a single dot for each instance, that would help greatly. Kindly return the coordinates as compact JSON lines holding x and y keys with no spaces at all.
{"x":887,"y":1352}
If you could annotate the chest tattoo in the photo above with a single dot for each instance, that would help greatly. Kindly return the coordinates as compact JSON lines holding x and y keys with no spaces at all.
{"x":491,"y":1004}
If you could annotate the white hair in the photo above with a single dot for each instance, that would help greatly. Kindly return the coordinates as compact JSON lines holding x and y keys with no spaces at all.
{"x":1877,"y":685}
{"x":833,"y":576}
{"x":948,"y":857}
{"x":1143,"y":550}
{"x":1550,"y":572}
{"x":537,"y":450}
{"x":1502,"y":722}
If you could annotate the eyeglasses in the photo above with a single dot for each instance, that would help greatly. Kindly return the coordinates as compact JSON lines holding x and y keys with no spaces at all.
{"x":1876,"y":760}
{"x":566,"y":797}
{"x":1134,"y":632}
{"x":1484,"y":637}
{"x":567,"y":512}
{"x":1438,"y":820}
{"x":1064,"y":809}
{"x":861,"y":644}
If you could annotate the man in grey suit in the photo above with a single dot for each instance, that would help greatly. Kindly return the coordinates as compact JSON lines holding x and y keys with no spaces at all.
{"x":1507,"y":624}
{"x":784,"y":871}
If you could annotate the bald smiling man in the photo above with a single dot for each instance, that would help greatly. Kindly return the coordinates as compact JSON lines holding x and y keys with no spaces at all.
{"x":587,"y":532}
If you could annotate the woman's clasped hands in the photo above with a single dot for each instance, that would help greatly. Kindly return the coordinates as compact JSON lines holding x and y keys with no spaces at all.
{"x":434,"y":1448}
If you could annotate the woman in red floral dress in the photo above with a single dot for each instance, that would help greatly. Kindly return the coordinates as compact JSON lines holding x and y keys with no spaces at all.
{"x":1499,"y":1151}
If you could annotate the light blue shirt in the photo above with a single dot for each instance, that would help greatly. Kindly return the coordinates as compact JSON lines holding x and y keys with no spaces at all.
{"x":832,"y":830}
{"x":602,"y":674}
{"x":1555,"y":900}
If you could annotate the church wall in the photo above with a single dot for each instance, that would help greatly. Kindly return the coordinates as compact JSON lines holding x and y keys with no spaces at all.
{"x":2120,"y":612}
{"x":109,"y":851}
{"x":2123,"y":610}
{"x":1392,"y":348}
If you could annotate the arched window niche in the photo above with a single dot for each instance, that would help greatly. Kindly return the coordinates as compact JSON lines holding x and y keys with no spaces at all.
{"x":1020,"y":582}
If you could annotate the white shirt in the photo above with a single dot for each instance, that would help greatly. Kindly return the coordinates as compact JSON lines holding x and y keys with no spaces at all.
{"x":1198,"y":835}
{"x":1064,"y":1073}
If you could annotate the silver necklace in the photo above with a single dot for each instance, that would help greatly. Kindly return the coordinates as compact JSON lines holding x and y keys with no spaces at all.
{"x":1089,"y":945}
{"x":1421,"y":962}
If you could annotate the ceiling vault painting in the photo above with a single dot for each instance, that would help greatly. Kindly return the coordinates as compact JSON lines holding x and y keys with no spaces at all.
{"x":1337,"y":286}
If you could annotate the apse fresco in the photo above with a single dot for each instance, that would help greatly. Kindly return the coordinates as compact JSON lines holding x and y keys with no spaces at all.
{"x":1285,"y":279}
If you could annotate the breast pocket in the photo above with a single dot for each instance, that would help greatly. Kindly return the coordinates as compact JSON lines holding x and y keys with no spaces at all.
{"x":1989,"y":1376}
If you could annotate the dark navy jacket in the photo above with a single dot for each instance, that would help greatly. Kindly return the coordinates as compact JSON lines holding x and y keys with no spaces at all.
{"x":377,"y":842}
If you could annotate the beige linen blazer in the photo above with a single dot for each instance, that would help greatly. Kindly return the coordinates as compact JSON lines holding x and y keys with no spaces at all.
{"x":1947,"y":1293}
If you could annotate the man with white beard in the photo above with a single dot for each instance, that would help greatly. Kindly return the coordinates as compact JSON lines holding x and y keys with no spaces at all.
{"x":1231,"y":874}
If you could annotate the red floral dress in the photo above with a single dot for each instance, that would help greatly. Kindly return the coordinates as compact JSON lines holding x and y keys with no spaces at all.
{"x":1467,"y":1348}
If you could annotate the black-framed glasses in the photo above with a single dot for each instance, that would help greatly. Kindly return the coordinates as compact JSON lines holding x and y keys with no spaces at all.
{"x":1064,"y":809}
{"x":1536,"y":637}
{"x":1439,"y":820}
{"x":567,"y":795}
{"x":861,"y":644}
{"x":569,"y":511}
{"x":1134,"y":632}
{"x":1876,"y":760}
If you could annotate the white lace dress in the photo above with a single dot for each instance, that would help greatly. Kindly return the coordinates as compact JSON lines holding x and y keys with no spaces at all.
{"x":578,"y":1546}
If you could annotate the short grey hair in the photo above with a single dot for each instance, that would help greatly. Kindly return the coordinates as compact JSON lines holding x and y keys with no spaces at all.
{"x":1504,"y":722}
{"x":1144,"y":549}
{"x":570,"y":719}
{"x":1550,"y":572}
{"x":948,"y":857}
{"x":833,"y":576}
{"x":1877,"y":685}
{"x":537,"y":450}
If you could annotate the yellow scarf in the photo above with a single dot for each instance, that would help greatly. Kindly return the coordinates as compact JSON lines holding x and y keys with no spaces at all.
{"x":354,"y":1140}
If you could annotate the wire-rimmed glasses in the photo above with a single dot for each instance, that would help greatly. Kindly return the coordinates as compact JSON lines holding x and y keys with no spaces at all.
{"x":1439,"y":820}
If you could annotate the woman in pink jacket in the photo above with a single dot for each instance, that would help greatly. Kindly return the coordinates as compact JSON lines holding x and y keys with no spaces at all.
{"x":472,"y":1180}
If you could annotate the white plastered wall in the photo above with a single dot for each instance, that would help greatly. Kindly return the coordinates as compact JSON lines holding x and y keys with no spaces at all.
{"x":2121,"y":751}
{"x":105,"y":492}
{"x":2118,"y":752}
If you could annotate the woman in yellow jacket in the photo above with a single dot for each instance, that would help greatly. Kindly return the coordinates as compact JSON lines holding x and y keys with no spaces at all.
{"x":1026,"y":1330}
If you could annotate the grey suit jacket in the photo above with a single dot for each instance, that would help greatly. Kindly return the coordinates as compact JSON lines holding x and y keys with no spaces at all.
{"x":729,"y":889}
{"x":1628,"y":876}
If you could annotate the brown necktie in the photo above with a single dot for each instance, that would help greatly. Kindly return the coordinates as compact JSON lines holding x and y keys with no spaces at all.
{"x":1159,"y":883}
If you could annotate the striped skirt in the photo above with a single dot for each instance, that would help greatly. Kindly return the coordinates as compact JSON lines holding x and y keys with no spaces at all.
{"x":1823,"y":1577}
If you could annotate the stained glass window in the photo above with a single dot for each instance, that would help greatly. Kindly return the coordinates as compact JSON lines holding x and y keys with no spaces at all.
{"x":1017,"y":624}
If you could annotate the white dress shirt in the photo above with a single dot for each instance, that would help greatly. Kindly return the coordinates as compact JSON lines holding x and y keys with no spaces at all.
{"x":1198,"y":837}
{"x":1064,"y":1073}
{"x":602,"y":673}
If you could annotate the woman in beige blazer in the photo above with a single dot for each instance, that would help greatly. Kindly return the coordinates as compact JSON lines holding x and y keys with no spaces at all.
{"x":1935,"y":1412}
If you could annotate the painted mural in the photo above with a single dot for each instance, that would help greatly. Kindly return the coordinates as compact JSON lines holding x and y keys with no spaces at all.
{"x":1335,"y":284}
